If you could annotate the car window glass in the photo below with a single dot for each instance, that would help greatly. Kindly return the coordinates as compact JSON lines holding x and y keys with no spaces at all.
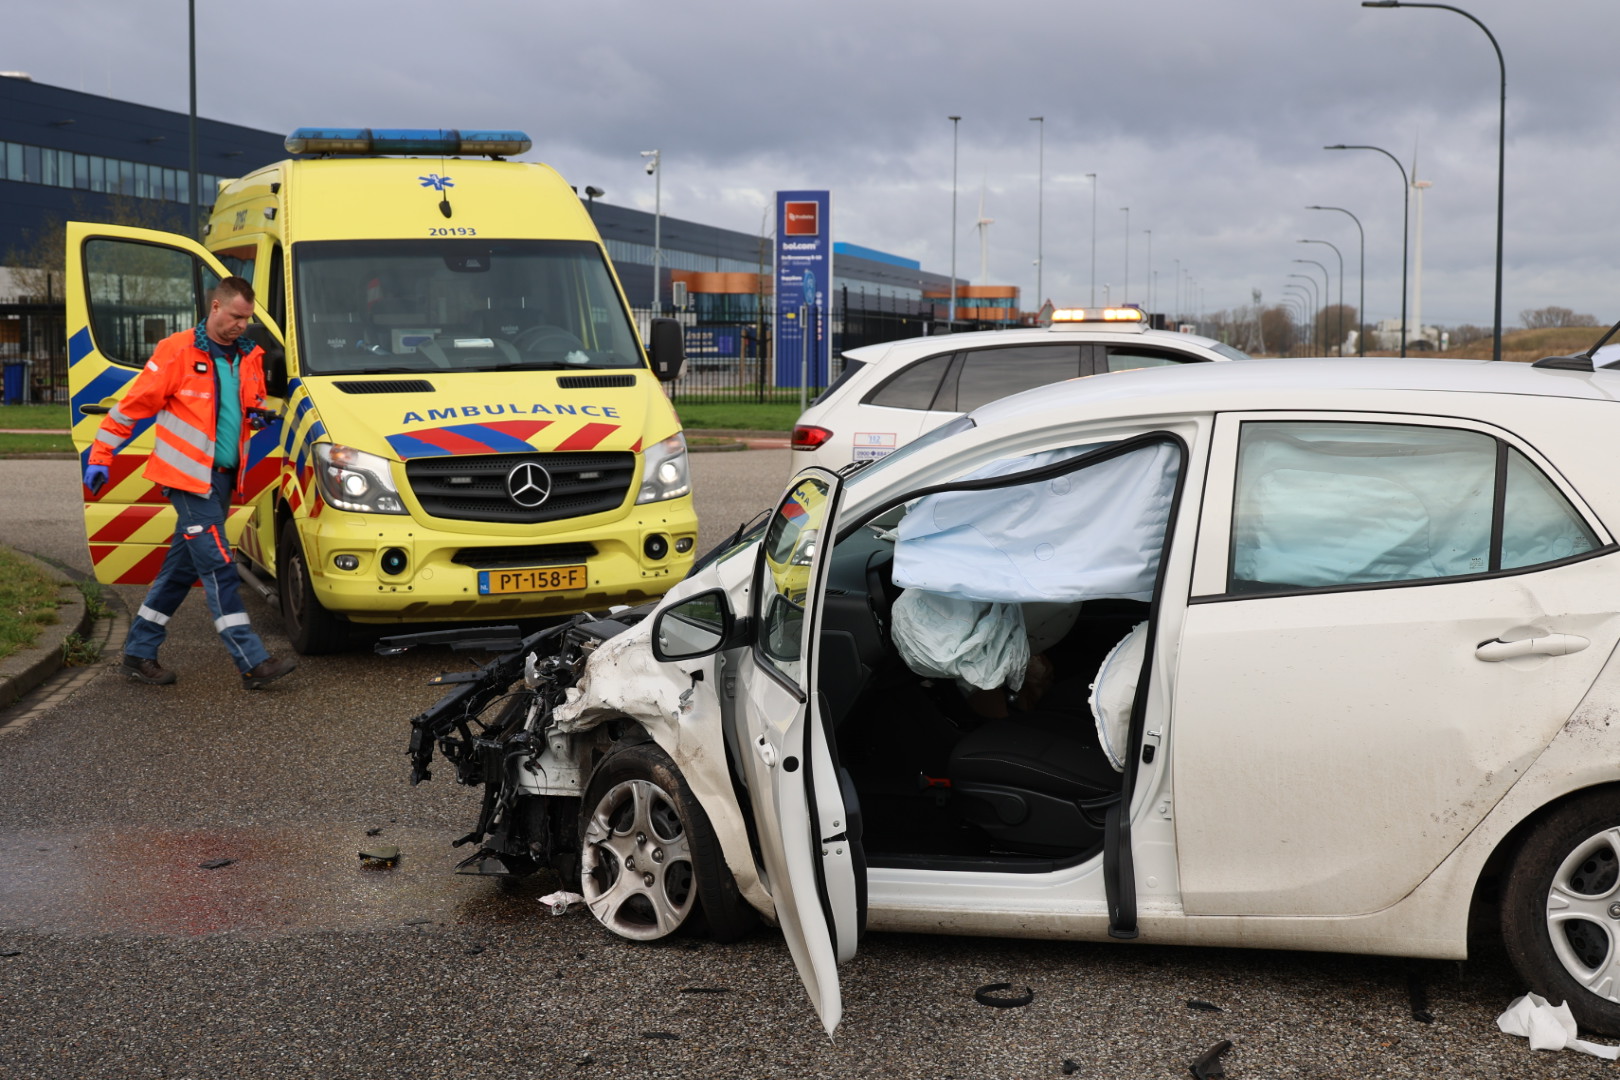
{"x":988,"y":374}
{"x":1320,"y":505}
{"x":141,"y":293}
{"x":913,"y":388}
{"x":789,"y":555}
{"x":850,"y":368}
{"x":1128,"y":359}
{"x":1538,"y":523}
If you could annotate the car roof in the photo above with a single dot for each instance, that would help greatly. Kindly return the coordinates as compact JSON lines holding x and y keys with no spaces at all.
{"x":1312,"y":383}
{"x":889,"y":352}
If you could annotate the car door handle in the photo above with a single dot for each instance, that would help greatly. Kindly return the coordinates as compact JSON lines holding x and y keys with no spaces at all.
{"x":1552,"y":645}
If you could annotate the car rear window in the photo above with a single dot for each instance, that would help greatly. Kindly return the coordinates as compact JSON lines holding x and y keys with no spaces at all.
{"x":913,"y":388}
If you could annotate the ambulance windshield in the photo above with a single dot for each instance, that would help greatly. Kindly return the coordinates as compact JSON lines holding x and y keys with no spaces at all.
{"x":462,"y":304}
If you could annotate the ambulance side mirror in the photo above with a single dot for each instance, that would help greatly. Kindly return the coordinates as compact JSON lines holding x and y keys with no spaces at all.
{"x":275,"y":359}
{"x":668,"y":352}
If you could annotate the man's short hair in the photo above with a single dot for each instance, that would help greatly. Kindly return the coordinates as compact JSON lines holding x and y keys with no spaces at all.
{"x":232,"y":286}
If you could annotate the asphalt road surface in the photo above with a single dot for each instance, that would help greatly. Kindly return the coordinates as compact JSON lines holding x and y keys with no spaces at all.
{"x":121,"y":956}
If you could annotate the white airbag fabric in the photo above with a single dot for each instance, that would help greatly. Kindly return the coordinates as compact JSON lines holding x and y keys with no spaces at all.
{"x":1549,"y":1027}
{"x":1091,"y":533}
{"x":980,"y":645}
{"x":1115,"y":691}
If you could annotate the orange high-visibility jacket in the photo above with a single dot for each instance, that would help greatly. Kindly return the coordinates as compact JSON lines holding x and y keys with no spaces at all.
{"x":178,"y":387}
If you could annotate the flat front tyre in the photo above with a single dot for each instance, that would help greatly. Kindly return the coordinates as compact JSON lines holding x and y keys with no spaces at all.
{"x":649,"y":861}
{"x":1561,"y":909}
{"x":311,"y":628}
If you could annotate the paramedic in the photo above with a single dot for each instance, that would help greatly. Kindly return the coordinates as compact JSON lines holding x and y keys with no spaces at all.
{"x":200,"y":384}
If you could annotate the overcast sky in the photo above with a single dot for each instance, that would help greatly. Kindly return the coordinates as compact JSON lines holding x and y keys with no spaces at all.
{"x":1206,"y":119}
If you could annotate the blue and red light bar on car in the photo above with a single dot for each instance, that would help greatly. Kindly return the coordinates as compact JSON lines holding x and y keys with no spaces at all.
{"x":449,"y":142}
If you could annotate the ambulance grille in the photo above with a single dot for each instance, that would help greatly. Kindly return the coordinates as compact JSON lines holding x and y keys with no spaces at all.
{"x":387,"y":386}
{"x":473,"y":487}
{"x":594,"y":382}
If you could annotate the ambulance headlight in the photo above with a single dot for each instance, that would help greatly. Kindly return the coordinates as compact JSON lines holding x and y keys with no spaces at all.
{"x":664,"y":472}
{"x":352,"y":479}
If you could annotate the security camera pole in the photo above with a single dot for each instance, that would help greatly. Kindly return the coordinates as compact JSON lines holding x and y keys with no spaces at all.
{"x":658,"y":220}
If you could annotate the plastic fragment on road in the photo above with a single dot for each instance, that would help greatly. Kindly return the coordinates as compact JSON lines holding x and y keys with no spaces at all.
{"x":998,"y":996}
{"x":383,"y":855}
{"x":1207,"y":1065}
{"x":214,"y":864}
{"x":558,"y":901}
{"x":1549,"y":1027}
{"x":1203,"y":1006}
{"x":1070,"y":1066}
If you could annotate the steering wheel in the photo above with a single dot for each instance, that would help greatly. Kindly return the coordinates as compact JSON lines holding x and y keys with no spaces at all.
{"x":547,"y":339}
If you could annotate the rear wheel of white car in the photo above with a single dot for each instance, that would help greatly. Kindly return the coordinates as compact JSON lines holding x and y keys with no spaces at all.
{"x":1561,"y":909}
{"x":649,"y":861}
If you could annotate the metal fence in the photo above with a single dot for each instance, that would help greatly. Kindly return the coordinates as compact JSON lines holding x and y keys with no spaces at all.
{"x":736,"y":361}
{"x":33,"y":353}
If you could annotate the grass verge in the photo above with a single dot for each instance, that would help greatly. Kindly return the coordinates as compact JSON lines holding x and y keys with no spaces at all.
{"x":28,"y":602}
{"x":739,"y":416}
{"x":35,"y":417}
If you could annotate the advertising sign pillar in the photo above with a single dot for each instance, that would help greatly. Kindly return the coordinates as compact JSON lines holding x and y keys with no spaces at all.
{"x":803,"y":288}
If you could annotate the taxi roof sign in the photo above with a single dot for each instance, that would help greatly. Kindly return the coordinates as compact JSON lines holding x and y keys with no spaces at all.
{"x":1098,"y":314}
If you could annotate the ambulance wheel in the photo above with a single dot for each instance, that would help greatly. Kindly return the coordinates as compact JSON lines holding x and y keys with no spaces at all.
{"x":311,"y":628}
{"x":649,"y":861}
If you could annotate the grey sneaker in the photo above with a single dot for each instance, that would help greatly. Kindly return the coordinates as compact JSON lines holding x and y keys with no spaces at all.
{"x":144,"y":669}
{"x":267,"y":672}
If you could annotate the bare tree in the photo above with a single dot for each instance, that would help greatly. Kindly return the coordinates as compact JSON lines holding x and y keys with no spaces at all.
{"x":38,"y":263}
{"x":1542,"y":318}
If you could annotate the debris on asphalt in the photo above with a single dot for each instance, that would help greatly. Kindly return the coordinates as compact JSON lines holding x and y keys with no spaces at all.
{"x":1203,"y":1006}
{"x":374,"y":832}
{"x":380,"y":856}
{"x":558,"y":901}
{"x":12,"y":952}
{"x":1207,"y":1066}
{"x":705,"y":989}
{"x":659,"y":1035}
{"x":1549,"y":1027}
{"x":991,"y":994}
{"x":214,"y":864}
{"x":417,"y":922}
{"x":1070,"y":1066}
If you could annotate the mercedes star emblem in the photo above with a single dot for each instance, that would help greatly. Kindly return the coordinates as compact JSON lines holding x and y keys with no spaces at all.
{"x":528,"y":484}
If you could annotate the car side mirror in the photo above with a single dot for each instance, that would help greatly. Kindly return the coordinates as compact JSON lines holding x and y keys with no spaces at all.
{"x":697,"y":626}
{"x":668,"y":350}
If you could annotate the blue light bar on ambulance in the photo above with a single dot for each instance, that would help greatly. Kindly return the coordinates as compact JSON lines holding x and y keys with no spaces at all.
{"x":1095,"y":315}
{"x":445,"y":141}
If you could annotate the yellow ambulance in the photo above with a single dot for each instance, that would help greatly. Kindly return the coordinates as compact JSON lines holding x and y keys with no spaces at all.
{"x":468,"y":424}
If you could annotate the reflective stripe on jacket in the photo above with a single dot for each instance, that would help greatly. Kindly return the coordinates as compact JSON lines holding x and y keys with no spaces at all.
{"x":178,"y":387}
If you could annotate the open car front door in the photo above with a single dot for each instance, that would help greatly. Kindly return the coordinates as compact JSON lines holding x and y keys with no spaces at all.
{"x":127,"y":289}
{"x":807,"y":816}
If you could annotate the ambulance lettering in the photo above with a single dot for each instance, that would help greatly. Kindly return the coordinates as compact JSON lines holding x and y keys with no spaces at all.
{"x":458,"y":412}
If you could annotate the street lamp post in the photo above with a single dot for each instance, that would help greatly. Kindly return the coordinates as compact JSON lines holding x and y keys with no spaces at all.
{"x":1341,"y":289}
{"x":951,"y":309}
{"x":1361,"y":304}
{"x":1406,"y":207}
{"x":1125,"y":286}
{"x":1178,"y":289}
{"x":1327,"y":288}
{"x":1093,"y":178}
{"x":1040,"y":206}
{"x":1149,"y":274}
{"x":191,"y":122}
{"x":1501,"y":155}
{"x":1311,"y":278}
{"x":1291,"y":304}
{"x":653,"y":159}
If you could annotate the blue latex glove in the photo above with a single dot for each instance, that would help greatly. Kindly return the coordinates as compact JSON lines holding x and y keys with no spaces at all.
{"x":95,"y":477}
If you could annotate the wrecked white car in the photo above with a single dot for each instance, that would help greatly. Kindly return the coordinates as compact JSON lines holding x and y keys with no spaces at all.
{"x":1292,"y":654}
